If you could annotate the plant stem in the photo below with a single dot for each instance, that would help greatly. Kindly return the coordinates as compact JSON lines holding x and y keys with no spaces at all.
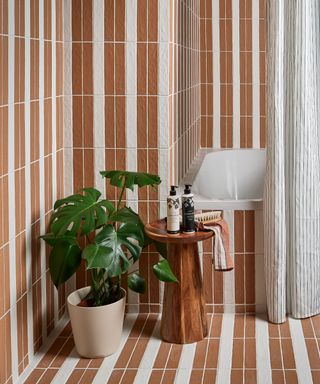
{"x":121,"y":194}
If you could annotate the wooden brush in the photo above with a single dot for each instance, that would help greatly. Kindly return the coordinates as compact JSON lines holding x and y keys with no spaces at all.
{"x":206,"y":218}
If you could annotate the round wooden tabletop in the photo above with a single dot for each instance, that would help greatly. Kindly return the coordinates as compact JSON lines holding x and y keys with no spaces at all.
{"x":158,"y":231}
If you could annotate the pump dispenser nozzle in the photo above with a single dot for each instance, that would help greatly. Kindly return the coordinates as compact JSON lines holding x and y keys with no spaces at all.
{"x":187,"y":189}
{"x":173,"y":191}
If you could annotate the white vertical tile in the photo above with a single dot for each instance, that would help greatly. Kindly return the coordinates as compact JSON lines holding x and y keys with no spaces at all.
{"x":98,"y":91}
{"x":300,"y":351}
{"x":163,"y":20}
{"x":225,"y":352}
{"x":236,"y":73}
{"x":131,"y":20}
{"x":131,"y":68}
{"x":67,"y":23}
{"x":163,"y":122}
{"x":255,"y":76}
{"x":262,"y":351}
{"x":163,"y":69}
{"x":163,"y":167}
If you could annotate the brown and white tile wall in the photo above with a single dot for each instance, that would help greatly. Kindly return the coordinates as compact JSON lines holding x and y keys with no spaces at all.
{"x":134,"y":97}
{"x":232,"y":70}
{"x":31,"y":174}
{"x":241,"y":290}
{"x":134,"y":101}
{"x":184,"y":88}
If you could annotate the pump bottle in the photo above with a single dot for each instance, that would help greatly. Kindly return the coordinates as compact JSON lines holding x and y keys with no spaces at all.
{"x":173,"y":206}
{"x":188,"y":225}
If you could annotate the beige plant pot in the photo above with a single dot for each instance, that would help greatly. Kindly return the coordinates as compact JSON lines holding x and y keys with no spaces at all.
{"x":96,"y":330}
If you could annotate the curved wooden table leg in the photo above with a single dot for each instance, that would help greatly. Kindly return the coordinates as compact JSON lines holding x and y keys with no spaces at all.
{"x":184,"y":316}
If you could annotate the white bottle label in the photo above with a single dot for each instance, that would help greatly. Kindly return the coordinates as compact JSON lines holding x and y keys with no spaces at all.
{"x":173,"y":205}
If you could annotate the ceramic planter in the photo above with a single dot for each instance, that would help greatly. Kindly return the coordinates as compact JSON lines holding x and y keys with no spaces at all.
{"x":96,"y":330}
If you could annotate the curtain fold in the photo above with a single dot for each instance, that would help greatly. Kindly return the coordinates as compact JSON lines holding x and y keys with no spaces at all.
{"x":292,"y":184}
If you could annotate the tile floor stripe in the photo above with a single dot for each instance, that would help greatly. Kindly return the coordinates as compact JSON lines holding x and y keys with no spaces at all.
{"x":262,"y":351}
{"x":225,"y":350}
{"x":300,"y":352}
{"x":67,"y":367}
{"x":106,"y":368}
{"x":186,"y":363}
{"x":150,"y":354}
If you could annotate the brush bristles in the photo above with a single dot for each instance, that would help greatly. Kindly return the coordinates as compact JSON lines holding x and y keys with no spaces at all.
{"x":208,"y":216}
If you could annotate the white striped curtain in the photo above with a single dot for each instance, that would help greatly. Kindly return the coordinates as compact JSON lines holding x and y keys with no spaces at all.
{"x":292,"y":185}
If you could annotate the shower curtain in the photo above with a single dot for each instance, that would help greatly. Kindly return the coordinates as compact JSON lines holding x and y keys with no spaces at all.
{"x":292,"y":185}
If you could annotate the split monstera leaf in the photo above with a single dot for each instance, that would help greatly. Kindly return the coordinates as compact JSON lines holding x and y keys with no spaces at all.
{"x":108,"y":237}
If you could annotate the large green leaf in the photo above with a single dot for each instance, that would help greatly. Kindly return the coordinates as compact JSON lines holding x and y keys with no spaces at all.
{"x":164,"y":272}
{"x":128,"y":236}
{"x":52,"y":240}
{"x":97,"y":256}
{"x":136,"y":283}
{"x":126,"y":215}
{"x":130,"y":179}
{"x":80,"y":213}
{"x":64,"y":260}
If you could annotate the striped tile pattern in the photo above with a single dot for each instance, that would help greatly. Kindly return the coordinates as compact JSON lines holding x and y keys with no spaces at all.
{"x":31,"y":174}
{"x":184,"y":87}
{"x":239,"y":349}
{"x":130,"y":103}
{"x":292,"y":222}
{"x":232,"y":73}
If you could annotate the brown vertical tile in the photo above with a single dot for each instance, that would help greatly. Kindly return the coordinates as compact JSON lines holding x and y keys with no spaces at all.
{"x":250,"y":278}
{"x":237,"y":353}
{"x":88,"y":121}
{"x":110,"y":122}
{"x":88,"y":169}
{"x":239,"y":231}
{"x":142,"y":69}
{"x":87,"y":51}
{"x":239,"y":278}
{"x":47,"y":126}
{"x":109,"y":57}
{"x":76,"y":68}
{"x":152,"y":20}
{"x":47,"y":19}
{"x":200,"y":354}
{"x":78,"y":169}
{"x":152,"y":69}
{"x":87,"y":20}
{"x":119,"y":69}
{"x":76,"y":20}
{"x":142,"y":20}
{"x":120,"y":122}
{"x":212,"y":356}
{"x":120,"y":20}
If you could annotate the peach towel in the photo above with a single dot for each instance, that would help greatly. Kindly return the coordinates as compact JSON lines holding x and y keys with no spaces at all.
{"x":222,"y":259}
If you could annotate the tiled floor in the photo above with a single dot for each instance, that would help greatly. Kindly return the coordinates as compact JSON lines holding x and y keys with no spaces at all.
{"x":239,"y":349}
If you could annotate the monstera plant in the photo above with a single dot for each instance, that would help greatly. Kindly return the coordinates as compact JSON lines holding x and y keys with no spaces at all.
{"x":108,"y":237}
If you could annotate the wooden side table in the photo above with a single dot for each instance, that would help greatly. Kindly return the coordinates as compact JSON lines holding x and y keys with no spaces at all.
{"x":183,"y":315}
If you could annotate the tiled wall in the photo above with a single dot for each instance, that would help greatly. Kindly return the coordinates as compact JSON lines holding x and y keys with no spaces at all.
{"x":117,"y":52}
{"x":232,"y":43}
{"x":184,"y":88}
{"x":241,"y":289}
{"x":31,"y":174}
{"x":134,"y":98}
